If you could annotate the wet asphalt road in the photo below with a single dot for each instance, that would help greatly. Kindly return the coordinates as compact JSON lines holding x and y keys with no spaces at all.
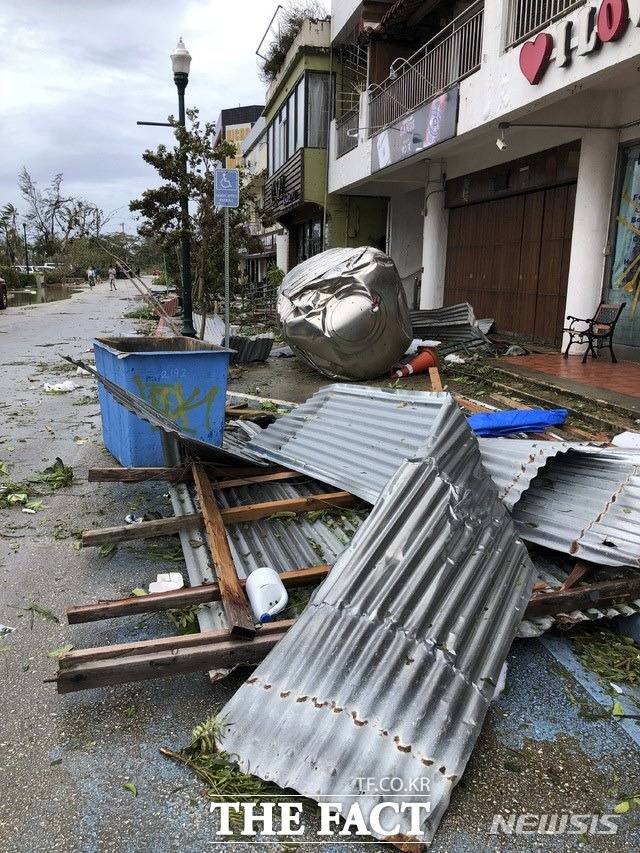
{"x":64,"y":759}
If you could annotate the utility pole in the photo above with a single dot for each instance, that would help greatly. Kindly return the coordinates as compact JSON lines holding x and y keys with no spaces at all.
{"x":26,"y":247}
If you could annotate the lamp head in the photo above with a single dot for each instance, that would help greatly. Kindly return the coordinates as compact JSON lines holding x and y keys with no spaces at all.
{"x":181,"y":59}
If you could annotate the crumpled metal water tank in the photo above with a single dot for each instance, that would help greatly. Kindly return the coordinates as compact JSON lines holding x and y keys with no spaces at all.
{"x":345,"y":313}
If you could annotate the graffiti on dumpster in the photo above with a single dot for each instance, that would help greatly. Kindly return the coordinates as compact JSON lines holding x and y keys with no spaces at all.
{"x":169,"y":399}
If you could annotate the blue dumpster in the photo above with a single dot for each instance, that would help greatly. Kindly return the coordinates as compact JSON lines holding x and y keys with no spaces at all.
{"x":184,"y":378}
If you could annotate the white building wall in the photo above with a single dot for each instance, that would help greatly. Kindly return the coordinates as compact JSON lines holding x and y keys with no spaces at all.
{"x":499,"y":90}
{"x":404,"y":236}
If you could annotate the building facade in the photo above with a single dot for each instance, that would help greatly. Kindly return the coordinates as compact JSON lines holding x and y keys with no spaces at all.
{"x":506,"y":138}
{"x":234,"y":125}
{"x":300,"y":104}
{"x":254,"y":161}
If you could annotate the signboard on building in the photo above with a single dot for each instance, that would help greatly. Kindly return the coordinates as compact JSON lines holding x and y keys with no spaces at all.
{"x":426,"y":126}
{"x":226,"y":188}
{"x":593,"y":26}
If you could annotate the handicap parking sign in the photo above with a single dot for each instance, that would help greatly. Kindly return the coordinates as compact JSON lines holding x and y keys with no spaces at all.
{"x":226,"y":188}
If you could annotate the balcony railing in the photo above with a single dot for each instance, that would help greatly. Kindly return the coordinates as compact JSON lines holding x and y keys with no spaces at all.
{"x":347,"y":131}
{"x":526,"y":17}
{"x":449,"y":57}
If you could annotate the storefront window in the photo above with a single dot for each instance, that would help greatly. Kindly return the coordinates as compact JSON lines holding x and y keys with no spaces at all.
{"x":624,"y":285}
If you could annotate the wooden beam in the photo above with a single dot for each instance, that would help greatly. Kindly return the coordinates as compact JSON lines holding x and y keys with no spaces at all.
{"x":178,"y":474}
{"x":252,"y":512}
{"x":470,"y":405}
{"x":577,"y":573}
{"x":260,"y":478}
{"x":161,"y":644}
{"x":144,"y":530}
{"x":161,"y":663}
{"x":234,"y":601}
{"x":185,"y":597}
{"x":582,"y":598}
{"x":436,"y":382}
{"x":231,"y":515}
{"x":138,"y":475}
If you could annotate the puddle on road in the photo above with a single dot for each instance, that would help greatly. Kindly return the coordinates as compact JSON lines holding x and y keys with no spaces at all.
{"x":36,"y":296}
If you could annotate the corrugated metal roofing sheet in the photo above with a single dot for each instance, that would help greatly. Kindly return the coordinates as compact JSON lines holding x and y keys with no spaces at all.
{"x":586,"y":503}
{"x":355,"y":437}
{"x":453,"y":315}
{"x":246,"y":348}
{"x":352,"y":436}
{"x":286,"y":544}
{"x":427,"y":598}
{"x":250,"y":349}
{"x":513,"y":463}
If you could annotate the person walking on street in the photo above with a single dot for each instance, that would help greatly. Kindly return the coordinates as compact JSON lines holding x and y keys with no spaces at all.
{"x":112,"y":279}
{"x":91,"y":276}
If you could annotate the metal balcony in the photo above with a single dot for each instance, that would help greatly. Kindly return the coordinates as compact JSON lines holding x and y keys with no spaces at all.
{"x":450,"y":56}
{"x":526,"y":17}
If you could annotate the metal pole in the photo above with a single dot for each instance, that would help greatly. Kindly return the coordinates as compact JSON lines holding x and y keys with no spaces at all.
{"x":226,"y":277}
{"x":181,"y":80}
{"x":26,"y":250}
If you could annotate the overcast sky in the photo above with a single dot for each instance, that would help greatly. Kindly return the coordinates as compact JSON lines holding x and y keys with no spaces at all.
{"x":77,"y":74}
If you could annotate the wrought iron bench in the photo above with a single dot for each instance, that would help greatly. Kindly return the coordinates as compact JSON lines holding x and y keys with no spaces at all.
{"x":599,"y":330}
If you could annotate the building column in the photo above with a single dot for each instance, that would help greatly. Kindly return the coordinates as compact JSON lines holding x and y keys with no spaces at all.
{"x":434,"y":241}
{"x":282,"y":250}
{"x":589,"y":237}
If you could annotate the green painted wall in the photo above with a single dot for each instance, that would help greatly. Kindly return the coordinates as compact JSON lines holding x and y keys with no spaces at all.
{"x":315,"y":175}
{"x":356,"y":221}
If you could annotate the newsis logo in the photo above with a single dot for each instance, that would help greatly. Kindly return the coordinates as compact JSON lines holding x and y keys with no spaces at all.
{"x":553,"y":823}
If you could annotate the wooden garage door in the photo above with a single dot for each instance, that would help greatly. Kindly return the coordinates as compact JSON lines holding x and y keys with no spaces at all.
{"x":510,"y":259}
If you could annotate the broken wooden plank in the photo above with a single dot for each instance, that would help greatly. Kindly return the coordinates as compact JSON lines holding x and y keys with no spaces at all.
{"x":582,"y":598}
{"x":185,"y":597}
{"x":576,"y":574}
{"x":202,"y":656}
{"x":144,"y":530}
{"x":234,"y":600}
{"x":253,"y":512}
{"x":160,"y":644}
{"x":471,"y":405}
{"x":436,"y":382}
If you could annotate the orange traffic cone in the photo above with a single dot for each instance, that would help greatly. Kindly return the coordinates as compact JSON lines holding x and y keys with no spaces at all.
{"x":420,"y":363}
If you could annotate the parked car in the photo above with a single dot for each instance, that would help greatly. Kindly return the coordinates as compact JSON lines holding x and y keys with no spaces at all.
{"x":4,"y":296}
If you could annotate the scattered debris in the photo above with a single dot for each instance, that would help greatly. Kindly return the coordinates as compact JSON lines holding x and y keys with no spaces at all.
{"x":517,"y":421}
{"x":60,"y":387}
{"x":316,"y":700}
{"x":611,"y":655}
{"x":166,"y":582}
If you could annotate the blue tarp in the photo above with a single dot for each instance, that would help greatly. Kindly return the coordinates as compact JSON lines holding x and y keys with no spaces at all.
{"x":517,"y":420}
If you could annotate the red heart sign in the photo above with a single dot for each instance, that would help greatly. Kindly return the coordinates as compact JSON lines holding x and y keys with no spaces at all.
{"x":534,"y":57}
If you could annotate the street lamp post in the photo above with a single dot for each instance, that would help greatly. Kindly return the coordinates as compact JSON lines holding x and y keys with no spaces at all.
{"x":26,"y":247}
{"x":181,"y":62}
